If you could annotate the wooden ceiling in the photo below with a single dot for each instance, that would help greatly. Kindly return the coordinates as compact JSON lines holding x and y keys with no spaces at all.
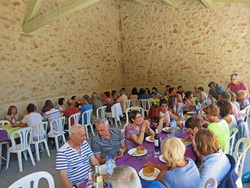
{"x":34,"y":21}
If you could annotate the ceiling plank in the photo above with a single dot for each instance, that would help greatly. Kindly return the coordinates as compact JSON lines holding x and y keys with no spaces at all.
{"x":139,"y":1}
{"x":208,"y":3}
{"x":170,"y":2}
{"x":32,"y":12}
{"x":64,"y":9}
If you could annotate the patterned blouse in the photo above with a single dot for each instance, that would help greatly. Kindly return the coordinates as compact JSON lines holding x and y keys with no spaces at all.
{"x":129,"y":131}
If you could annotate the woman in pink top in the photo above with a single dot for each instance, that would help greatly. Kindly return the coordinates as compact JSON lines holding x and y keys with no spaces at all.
{"x":237,"y":85}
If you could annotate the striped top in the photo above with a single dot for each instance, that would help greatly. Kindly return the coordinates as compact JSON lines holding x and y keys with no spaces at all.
{"x":77,"y":164}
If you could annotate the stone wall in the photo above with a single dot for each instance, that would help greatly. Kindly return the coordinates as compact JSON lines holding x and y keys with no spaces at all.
{"x":184,"y":45}
{"x":75,"y":55}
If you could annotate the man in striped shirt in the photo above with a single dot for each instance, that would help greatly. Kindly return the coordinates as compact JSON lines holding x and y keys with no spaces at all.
{"x":73,"y":158}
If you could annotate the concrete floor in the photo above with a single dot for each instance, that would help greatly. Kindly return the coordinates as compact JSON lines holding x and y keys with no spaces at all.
{"x":12,"y":174}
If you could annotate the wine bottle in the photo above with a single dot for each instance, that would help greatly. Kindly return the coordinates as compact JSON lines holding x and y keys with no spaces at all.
{"x":90,"y":183}
{"x":96,"y":174}
{"x":157,"y":144}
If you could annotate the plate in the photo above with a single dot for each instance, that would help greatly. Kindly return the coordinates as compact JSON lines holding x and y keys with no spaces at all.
{"x":191,"y":112}
{"x":161,"y":159}
{"x":102,"y":169}
{"x":167,"y":129}
{"x":151,"y":178}
{"x":148,"y":139}
{"x":186,"y":142}
{"x":133,"y":152}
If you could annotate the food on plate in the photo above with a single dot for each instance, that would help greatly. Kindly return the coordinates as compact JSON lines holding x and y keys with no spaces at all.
{"x":152,"y":137}
{"x":167,"y":128}
{"x":140,"y":149}
{"x":105,"y":179}
{"x":149,"y":171}
{"x":185,"y":141}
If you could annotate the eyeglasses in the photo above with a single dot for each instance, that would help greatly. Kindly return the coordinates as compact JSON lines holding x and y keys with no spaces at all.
{"x":139,"y":117}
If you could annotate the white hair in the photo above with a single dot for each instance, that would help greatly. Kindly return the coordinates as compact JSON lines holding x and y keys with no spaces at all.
{"x":101,"y":120}
{"x":125,"y":177}
{"x":235,"y":75}
{"x":74,"y":129}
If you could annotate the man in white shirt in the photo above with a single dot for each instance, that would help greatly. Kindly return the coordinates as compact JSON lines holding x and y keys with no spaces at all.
{"x":122,"y":98}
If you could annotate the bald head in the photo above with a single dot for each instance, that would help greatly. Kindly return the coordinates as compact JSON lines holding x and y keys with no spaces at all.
{"x":70,"y":102}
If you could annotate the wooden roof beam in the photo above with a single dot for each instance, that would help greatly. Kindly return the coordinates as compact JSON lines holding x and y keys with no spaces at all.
{"x":63,"y":10}
{"x":208,"y":3}
{"x":32,"y":12}
{"x":139,"y":1}
{"x":169,"y":2}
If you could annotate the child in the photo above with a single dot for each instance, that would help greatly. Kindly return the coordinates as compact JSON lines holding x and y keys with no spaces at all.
{"x":233,"y":100}
{"x":241,"y":97}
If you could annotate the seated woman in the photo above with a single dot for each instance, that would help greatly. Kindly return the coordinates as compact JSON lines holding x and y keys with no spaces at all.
{"x":147,"y":91}
{"x":226,"y":113}
{"x":188,"y":102}
{"x":61,"y":105}
{"x":154,"y":118}
{"x":177,"y":167}
{"x":12,"y":115}
{"x":173,"y":105}
{"x":172,"y":91}
{"x":134,"y":95}
{"x":135,"y":131}
{"x":107,"y":101}
{"x":219,"y":127}
{"x":114,"y":96}
{"x":233,"y":100}
{"x":243,"y":101}
{"x":165,"y":112}
{"x":215,"y":163}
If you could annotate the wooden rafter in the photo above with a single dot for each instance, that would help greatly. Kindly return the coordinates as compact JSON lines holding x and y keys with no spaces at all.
{"x":208,"y":3}
{"x":64,"y":9}
{"x":169,"y":2}
{"x":33,"y":10}
{"x":139,"y":1}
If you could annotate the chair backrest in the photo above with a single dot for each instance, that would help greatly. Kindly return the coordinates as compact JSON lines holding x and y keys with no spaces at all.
{"x":134,"y":102}
{"x":74,"y":118}
{"x":230,"y":141}
{"x":229,"y":181}
{"x":57,"y":125}
{"x":3,"y":122}
{"x":25,"y":138}
{"x":87,"y":114}
{"x":116,"y":111}
{"x":145,"y":104}
{"x":25,"y":182}
{"x":211,"y":183}
{"x":40,"y":130}
{"x":246,"y":129}
{"x":140,"y":109}
{"x":240,"y":157}
{"x":126,"y":104}
{"x":100,"y":112}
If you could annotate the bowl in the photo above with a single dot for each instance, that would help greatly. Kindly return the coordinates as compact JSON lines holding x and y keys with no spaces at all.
{"x":149,"y":171}
{"x":140,"y":149}
{"x":152,"y":137}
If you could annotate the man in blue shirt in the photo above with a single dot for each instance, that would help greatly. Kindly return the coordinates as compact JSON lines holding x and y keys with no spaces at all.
{"x":85,"y":106}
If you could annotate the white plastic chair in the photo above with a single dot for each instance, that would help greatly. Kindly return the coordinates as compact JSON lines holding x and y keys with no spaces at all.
{"x":116,"y":113}
{"x":211,"y":183}
{"x":3,"y":122}
{"x":145,"y":104}
{"x":56,"y":130}
{"x":240,"y":156}
{"x":246,"y":129}
{"x":75,"y":117}
{"x":7,"y":148}
{"x":126,"y":105}
{"x":25,"y":181}
{"x":25,"y":138}
{"x":134,"y":102}
{"x":131,"y":109}
{"x":100,"y":112}
{"x":232,"y":138}
{"x":41,"y":138}
{"x":87,"y":113}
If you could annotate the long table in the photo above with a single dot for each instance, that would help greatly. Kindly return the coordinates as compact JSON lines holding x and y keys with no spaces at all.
{"x":139,"y":164}
{"x":6,"y":131}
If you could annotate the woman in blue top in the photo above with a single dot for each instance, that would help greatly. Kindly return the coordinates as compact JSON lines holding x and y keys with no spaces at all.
{"x":214,"y":163}
{"x":179,"y":172}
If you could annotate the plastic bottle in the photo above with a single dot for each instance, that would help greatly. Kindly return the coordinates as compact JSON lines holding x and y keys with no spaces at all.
{"x":182,"y":122}
{"x":110,"y":165}
{"x":157,"y":144}
{"x":198,"y":107}
{"x":173,"y":128}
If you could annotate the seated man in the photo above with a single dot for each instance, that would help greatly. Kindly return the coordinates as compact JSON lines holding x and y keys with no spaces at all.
{"x":85,"y":106}
{"x":193,"y":125}
{"x":96,"y":103}
{"x":73,"y":158}
{"x":71,"y":109}
{"x":126,"y":177}
{"x":108,"y":141}
{"x":156,"y":92}
{"x":123,"y":97}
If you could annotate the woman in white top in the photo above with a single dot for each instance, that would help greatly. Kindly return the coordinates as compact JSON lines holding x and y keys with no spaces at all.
{"x":12,"y":115}
{"x":226,"y":113}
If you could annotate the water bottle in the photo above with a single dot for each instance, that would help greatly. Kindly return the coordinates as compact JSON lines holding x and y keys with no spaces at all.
{"x":173,"y":128}
{"x":182,"y":122}
{"x":110,"y":165}
{"x":198,"y":107}
{"x":157,"y":144}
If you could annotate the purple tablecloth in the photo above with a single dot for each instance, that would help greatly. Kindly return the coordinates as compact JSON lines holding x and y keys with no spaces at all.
{"x":3,"y":136}
{"x":139,"y":164}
